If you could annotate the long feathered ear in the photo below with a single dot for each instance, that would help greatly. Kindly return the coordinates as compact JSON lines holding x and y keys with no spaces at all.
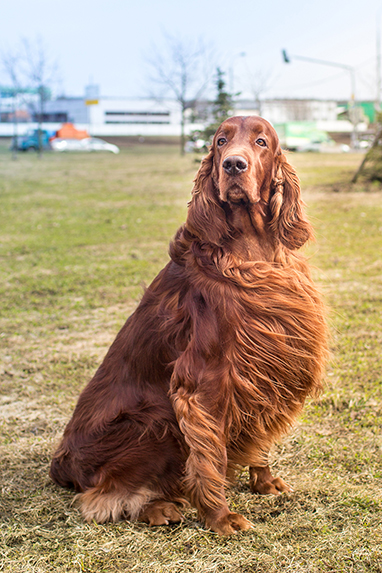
{"x":288,"y":218}
{"x":206,"y":218}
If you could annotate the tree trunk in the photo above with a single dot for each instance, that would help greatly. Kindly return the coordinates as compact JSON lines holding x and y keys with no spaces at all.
{"x":376,"y":142}
{"x":15,"y":130}
{"x":40,"y":117}
{"x":182,"y":134}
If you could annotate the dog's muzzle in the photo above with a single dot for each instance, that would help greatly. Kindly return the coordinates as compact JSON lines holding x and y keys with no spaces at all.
{"x":235,"y":165}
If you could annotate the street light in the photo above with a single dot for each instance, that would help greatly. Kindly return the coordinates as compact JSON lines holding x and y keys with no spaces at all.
{"x":350,"y":69}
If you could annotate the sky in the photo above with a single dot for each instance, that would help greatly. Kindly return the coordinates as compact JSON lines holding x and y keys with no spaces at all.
{"x":108,"y":42}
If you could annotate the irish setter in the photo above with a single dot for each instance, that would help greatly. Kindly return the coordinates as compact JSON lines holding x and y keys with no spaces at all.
{"x":217,"y":360}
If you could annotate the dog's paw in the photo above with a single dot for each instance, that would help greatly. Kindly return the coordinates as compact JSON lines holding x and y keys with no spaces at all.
{"x":160,"y":513}
{"x":262,"y":481}
{"x":275,"y":486}
{"x":229,"y":524}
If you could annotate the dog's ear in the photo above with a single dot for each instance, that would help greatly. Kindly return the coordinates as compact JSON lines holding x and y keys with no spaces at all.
{"x":206,"y":218}
{"x":288,"y":219}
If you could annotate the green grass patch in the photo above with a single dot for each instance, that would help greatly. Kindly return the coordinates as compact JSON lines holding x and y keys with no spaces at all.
{"x":80,"y":237}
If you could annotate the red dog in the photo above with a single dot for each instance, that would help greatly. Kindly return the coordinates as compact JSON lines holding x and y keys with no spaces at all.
{"x":217,"y":360}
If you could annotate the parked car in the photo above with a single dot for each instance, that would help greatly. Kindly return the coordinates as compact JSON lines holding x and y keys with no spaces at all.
{"x":30,"y":140}
{"x":86,"y":144}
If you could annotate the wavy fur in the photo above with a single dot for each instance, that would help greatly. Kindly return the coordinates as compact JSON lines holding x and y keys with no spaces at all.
{"x":217,"y":360}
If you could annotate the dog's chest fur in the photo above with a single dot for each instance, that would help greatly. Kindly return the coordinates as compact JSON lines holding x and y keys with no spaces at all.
{"x":268,"y":333}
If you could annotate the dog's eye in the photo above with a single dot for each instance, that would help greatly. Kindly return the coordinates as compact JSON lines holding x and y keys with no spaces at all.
{"x":261,"y":142}
{"x":221,"y":141}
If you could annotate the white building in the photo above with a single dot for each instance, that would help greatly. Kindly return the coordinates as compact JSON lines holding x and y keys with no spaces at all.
{"x":324,"y":113}
{"x":126,"y":116}
{"x":108,"y":116}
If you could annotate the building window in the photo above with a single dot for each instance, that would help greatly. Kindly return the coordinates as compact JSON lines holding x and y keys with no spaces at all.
{"x":137,"y":117}
{"x":59,"y":117}
{"x":138,"y":122}
{"x":141,"y":113}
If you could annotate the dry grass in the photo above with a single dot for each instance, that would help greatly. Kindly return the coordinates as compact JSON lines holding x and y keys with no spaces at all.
{"x":80,"y":235}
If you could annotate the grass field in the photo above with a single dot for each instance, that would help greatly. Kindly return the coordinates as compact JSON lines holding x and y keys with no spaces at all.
{"x":80,"y":236}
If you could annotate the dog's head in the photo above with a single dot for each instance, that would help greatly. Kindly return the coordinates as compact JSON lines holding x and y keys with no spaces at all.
{"x":246,"y":167}
{"x":244,"y":149}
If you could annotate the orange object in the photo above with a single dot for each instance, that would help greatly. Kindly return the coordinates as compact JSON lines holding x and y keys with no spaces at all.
{"x":68,"y":131}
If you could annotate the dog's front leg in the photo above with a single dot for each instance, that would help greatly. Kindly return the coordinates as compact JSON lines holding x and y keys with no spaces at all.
{"x":206,"y":465}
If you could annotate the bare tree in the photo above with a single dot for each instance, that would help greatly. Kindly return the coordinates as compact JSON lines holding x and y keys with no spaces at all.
{"x":31,"y":71}
{"x":40,"y":72}
{"x":183,"y":69}
{"x":258,"y":82}
{"x":11,"y":61}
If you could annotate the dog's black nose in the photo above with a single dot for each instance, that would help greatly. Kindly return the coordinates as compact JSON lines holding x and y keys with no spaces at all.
{"x":235,"y":165}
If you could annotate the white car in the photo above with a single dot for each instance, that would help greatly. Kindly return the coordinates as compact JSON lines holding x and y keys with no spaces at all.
{"x":87,"y":144}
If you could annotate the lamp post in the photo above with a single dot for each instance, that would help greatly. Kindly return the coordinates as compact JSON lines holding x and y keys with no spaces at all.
{"x":378,"y":94}
{"x":349,"y":69}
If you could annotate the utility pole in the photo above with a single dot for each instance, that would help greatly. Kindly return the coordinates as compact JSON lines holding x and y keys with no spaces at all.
{"x":378,"y":94}
{"x":15,"y":130}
